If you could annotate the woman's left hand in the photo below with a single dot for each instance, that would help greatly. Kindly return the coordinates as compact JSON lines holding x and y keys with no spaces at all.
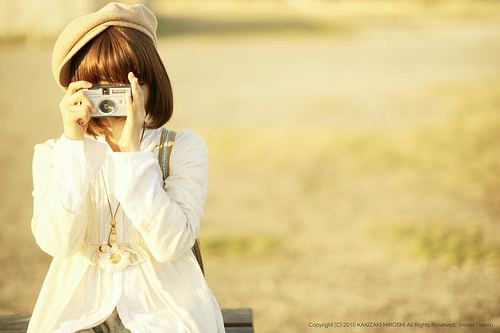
{"x":136,"y":113}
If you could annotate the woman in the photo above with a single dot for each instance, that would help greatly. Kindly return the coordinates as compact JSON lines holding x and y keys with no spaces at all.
{"x":119,"y":236}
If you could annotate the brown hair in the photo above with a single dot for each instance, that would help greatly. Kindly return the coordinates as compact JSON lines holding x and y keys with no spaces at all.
{"x":110,"y":56}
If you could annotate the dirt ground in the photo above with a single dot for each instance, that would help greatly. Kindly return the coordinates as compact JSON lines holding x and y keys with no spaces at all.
{"x":352,"y":160}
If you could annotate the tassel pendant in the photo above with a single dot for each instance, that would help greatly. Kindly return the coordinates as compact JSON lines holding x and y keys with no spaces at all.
{"x":113,"y":234}
{"x":114,"y":258}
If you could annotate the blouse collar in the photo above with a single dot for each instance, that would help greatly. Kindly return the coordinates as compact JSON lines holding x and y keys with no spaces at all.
{"x":148,"y":136}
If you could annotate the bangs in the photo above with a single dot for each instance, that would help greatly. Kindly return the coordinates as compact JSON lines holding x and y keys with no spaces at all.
{"x":110,"y":56}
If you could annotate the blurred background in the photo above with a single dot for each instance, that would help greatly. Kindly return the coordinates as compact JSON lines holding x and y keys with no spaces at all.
{"x":354,"y":152}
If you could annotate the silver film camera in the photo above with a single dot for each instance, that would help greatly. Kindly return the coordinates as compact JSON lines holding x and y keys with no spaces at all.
{"x":108,"y":100}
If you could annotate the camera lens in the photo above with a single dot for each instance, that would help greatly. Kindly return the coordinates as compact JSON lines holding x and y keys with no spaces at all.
{"x":107,"y":106}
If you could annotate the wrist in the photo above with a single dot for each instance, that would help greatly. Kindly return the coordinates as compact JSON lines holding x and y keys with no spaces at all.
{"x":129,"y":144}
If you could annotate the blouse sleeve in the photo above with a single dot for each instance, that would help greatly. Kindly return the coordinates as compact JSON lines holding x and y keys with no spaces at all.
{"x":62,"y":170}
{"x":168,"y":217}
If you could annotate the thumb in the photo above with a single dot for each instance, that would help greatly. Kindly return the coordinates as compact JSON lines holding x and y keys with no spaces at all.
{"x":130,"y":104}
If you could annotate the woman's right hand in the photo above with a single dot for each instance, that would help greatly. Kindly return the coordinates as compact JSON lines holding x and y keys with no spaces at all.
{"x":76,"y":109}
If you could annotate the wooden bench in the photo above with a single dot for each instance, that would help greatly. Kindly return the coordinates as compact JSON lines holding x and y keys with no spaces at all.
{"x":237,"y":320}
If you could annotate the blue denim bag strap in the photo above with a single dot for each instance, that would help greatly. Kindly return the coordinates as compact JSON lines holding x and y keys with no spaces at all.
{"x":165,"y":149}
{"x":166,"y":143}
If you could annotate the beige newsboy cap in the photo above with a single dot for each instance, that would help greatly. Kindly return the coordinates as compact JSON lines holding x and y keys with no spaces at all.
{"x":81,"y":30}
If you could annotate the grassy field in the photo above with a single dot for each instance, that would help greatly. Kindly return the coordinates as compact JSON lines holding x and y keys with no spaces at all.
{"x":354,"y":157}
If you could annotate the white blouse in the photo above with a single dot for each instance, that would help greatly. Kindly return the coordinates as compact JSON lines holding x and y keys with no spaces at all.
{"x":163,"y":290}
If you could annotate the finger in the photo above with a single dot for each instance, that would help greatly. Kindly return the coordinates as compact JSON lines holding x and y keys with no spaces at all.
{"x":75,"y":98}
{"x":131,"y":76}
{"x":83,"y":102}
{"x":80,"y":113}
{"x":81,"y":99}
{"x":77,"y":85}
{"x":130,"y":105}
{"x":131,"y":79}
{"x":81,"y":122}
{"x":136,"y":89}
{"x":75,"y":110}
